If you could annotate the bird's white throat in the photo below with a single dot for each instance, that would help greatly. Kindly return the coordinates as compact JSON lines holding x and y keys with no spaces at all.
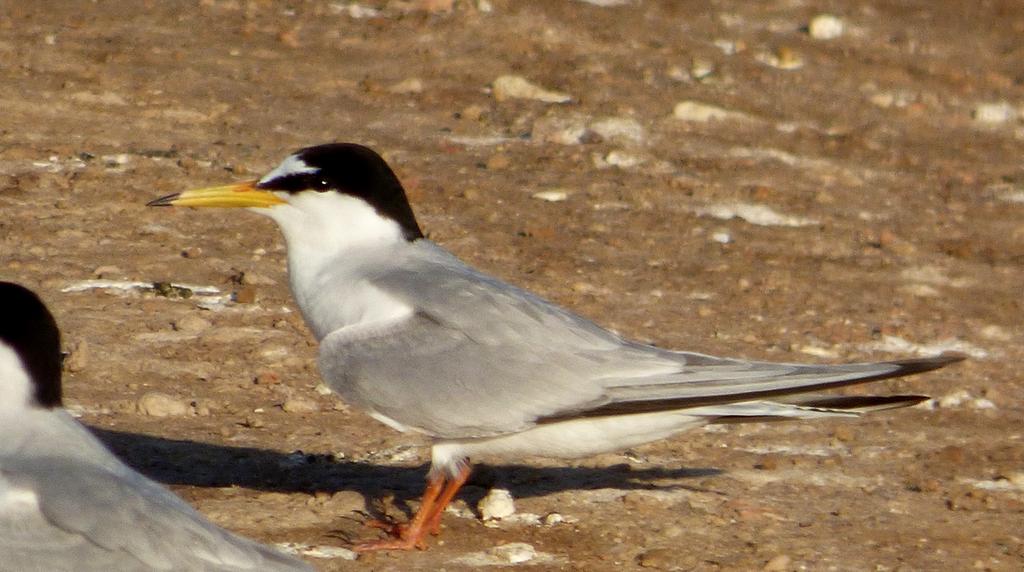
{"x":15,"y":385}
{"x":333,"y":240}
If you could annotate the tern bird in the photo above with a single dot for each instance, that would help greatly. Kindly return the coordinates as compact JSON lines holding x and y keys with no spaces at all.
{"x":66,"y":503}
{"x":425,"y":343}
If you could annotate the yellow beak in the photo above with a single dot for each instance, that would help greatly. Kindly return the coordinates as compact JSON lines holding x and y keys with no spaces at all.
{"x":238,"y":195}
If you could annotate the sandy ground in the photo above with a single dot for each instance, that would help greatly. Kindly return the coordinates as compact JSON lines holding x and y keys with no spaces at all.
{"x":853,"y":198}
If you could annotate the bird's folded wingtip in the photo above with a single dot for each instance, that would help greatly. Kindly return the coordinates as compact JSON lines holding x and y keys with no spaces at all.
{"x":164,"y":201}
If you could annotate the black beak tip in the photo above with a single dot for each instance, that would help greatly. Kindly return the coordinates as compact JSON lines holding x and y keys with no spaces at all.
{"x":164,"y":201}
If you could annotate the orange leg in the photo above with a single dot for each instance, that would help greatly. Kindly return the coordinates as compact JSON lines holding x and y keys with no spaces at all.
{"x":450,"y":489}
{"x":440,"y":491}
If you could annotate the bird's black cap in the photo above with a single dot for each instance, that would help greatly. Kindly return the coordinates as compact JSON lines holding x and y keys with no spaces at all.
{"x":30,"y":330}
{"x":353,"y":170}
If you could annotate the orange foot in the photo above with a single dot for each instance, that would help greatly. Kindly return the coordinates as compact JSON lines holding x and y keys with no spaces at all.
{"x":440,"y":492}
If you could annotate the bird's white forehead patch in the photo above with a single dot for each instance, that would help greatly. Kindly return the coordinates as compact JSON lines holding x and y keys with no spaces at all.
{"x":292,"y":165}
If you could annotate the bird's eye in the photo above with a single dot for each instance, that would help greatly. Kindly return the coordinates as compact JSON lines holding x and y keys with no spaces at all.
{"x":322,"y":185}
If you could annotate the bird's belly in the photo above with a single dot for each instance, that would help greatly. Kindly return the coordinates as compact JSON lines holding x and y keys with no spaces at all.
{"x":573,"y":439}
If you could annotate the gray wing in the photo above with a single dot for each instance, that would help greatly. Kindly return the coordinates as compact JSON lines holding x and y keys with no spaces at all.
{"x":60,"y":514}
{"x":481,"y":357}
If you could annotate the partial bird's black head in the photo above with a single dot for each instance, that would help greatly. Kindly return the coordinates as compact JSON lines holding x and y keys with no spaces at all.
{"x":349,"y":169}
{"x":28,"y":328}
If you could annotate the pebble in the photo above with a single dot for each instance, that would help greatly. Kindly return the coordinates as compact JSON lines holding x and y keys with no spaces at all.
{"x":300,"y":405}
{"x":78,"y":357}
{"x":701,"y":68}
{"x":156,"y":404}
{"x":555,"y":518}
{"x":784,"y":59}
{"x":498,"y":162}
{"x":551,"y":196}
{"x":825,"y":27}
{"x":406,"y":86}
{"x":780,"y":563}
{"x":703,"y":112}
{"x":191,"y":324}
{"x":721,"y":237}
{"x":498,"y":504}
{"x":517,"y":87}
{"x":559,"y":130}
{"x":473,"y":112}
{"x":620,"y":130}
{"x":322,"y":389}
{"x":994,"y":113}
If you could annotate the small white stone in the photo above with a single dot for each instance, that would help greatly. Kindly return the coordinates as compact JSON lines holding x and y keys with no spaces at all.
{"x":497,"y":504}
{"x":825,"y":27}
{"x":994,"y":113}
{"x":703,"y":112}
{"x":721,"y":237}
{"x":517,"y":87}
{"x":551,"y":196}
{"x":358,"y":11}
{"x":156,"y":404}
{"x":982,"y":403}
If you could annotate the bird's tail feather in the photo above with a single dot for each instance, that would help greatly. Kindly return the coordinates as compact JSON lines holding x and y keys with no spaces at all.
{"x":806,"y":407}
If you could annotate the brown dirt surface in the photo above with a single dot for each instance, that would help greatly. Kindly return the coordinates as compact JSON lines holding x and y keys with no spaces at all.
{"x":893,"y":151}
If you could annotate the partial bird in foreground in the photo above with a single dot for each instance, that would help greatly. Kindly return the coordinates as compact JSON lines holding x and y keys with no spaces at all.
{"x":425,"y":343}
{"x":66,"y":503}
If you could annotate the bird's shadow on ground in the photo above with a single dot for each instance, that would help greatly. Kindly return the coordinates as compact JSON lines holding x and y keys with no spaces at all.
{"x":192,"y":463}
